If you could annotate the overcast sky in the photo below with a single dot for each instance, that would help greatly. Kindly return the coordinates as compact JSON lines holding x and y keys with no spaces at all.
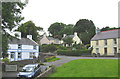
{"x":45,"y":12}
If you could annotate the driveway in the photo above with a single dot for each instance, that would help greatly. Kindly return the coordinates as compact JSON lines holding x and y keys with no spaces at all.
{"x":65,"y":59}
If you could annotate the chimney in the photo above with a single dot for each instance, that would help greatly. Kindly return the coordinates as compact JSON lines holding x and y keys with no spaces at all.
{"x":64,"y":35}
{"x":29,"y":36}
{"x":17,"y":34}
{"x":97,"y":30}
{"x":75,"y":33}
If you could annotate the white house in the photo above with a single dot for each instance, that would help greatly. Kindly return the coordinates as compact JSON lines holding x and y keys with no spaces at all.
{"x":49,"y":40}
{"x":22,"y":48}
{"x":75,"y":38}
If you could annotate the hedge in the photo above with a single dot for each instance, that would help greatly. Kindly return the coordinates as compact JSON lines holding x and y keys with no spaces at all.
{"x":73,"y":52}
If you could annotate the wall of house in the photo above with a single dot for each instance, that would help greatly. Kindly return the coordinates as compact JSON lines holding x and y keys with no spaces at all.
{"x":110,"y":46}
{"x":44,"y":40}
{"x":77,"y":40}
{"x":118,"y":45}
{"x":25,"y":51}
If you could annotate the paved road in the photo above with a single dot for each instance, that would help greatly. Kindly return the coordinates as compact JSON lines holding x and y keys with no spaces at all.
{"x":65,"y":59}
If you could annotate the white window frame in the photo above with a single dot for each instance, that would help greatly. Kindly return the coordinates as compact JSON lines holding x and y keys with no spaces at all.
{"x":31,"y":54}
{"x":34,"y":47}
{"x":12,"y":55}
{"x":19,"y":54}
{"x":19,"y":46}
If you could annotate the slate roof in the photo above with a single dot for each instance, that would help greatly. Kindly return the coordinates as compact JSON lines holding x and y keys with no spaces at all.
{"x":51,"y":38}
{"x":107,"y":35}
{"x":68,"y":36}
{"x":23,"y":41}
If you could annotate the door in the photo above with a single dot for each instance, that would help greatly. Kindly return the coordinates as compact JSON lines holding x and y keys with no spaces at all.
{"x":105,"y":51}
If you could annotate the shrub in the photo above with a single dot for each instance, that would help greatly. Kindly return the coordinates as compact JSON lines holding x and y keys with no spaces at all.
{"x":49,"y":58}
{"x":52,"y":58}
{"x":48,"y":48}
{"x":73,"y":52}
{"x":6,"y":60}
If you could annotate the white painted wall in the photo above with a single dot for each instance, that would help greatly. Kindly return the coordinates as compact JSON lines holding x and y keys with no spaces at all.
{"x":26,"y":49}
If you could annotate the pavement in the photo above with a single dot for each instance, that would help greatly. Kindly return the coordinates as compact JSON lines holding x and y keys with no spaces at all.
{"x":63,"y":59}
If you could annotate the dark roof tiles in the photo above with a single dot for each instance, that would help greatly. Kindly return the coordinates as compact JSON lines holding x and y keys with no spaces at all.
{"x":107,"y":35}
{"x":24,"y":41}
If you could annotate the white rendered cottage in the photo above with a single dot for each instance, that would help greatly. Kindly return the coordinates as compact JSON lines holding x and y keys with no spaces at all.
{"x":22,"y":48}
{"x":75,"y":38}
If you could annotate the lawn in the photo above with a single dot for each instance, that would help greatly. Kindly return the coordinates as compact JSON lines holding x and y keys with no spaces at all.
{"x":88,"y":68}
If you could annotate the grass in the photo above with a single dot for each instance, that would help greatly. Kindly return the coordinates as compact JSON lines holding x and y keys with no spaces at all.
{"x":88,"y":68}
{"x":51,"y":59}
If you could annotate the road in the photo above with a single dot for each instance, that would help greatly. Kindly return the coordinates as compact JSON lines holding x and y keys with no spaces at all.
{"x":63,"y":59}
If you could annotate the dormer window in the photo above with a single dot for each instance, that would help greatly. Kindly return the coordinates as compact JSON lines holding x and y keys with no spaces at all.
{"x":19,"y":46}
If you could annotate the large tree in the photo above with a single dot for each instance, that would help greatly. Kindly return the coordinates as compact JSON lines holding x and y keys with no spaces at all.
{"x":11,"y":17}
{"x":58,"y":29}
{"x":68,"y":29}
{"x":86,"y":30}
{"x":55,"y":29}
{"x":29,"y":28}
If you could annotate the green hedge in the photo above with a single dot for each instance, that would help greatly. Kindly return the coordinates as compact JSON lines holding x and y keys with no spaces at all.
{"x":74,"y":52}
{"x":50,"y":59}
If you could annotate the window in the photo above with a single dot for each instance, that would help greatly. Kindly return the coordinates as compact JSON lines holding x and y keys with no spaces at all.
{"x":19,"y":54}
{"x":97,"y":42}
{"x":105,"y":42}
{"x":115,"y":50}
{"x":19,"y":46}
{"x":34,"y":47}
{"x":114,"y":41}
{"x":97,"y":50}
{"x":32,"y":54}
{"x":12,"y":54}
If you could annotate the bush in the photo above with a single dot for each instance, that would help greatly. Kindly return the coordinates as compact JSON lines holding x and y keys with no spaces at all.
{"x":52,"y":58}
{"x":73,"y":52}
{"x":48,"y":48}
{"x":6,"y":60}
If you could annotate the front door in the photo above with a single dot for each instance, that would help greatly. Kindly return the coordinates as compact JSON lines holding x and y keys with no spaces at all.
{"x":105,"y":51}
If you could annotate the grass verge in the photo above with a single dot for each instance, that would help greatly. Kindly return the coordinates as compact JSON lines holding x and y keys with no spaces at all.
{"x":88,"y":68}
{"x":51,"y":59}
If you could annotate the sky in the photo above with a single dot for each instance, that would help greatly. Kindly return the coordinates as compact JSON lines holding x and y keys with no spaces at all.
{"x":46,"y":12}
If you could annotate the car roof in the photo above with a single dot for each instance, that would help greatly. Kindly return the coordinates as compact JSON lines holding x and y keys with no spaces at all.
{"x":32,"y":65}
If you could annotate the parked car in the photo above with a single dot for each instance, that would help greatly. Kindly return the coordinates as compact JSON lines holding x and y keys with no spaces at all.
{"x":29,"y":71}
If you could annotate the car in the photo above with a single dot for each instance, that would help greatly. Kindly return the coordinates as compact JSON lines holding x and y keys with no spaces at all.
{"x":29,"y":71}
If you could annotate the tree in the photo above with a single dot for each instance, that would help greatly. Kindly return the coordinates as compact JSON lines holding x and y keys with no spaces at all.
{"x":11,"y":17}
{"x":55,"y":29}
{"x":29,"y":28}
{"x":108,"y":28}
{"x":86,"y":30}
{"x":68,"y":40}
{"x":68,"y":29}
